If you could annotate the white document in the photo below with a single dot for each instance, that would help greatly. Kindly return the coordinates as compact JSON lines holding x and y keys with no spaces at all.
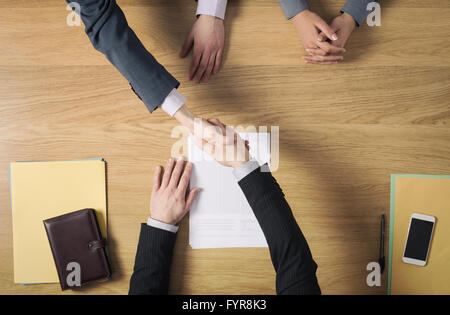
{"x":221,"y":216}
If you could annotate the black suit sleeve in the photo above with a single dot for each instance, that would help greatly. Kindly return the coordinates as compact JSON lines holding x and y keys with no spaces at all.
{"x":153,"y":261}
{"x":291,"y":257}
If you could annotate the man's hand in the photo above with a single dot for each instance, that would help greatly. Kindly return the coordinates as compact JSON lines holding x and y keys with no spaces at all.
{"x":309,"y":25}
{"x":170,"y":200}
{"x":207,"y":36}
{"x":225,"y":145}
{"x":343,"y":25}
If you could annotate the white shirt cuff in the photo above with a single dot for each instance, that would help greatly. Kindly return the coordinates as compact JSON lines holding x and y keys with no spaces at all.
{"x":173,"y":102}
{"x":215,"y":8}
{"x":161,"y":225}
{"x":245,"y":169}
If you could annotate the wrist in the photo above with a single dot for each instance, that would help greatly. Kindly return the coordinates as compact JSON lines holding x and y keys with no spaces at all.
{"x":185,"y":117}
{"x":238,"y":164}
{"x":209,"y":18}
{"x":301,"y":19}
{"x":349,"y":19}
{"x":164,"y":220}
{"x":241,"y":160}
{"x":301,"y":15}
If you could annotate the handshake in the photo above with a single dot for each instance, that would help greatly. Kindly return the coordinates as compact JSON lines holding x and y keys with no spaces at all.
{"x":221,"y":142}
{"x":215,"y":138}
{"x":171,"y":197}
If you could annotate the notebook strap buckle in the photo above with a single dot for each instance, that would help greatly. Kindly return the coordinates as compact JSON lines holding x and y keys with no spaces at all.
{"x":93,"y":245}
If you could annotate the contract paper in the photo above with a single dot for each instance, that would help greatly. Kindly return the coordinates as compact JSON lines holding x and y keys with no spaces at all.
{"x":220,"y":216}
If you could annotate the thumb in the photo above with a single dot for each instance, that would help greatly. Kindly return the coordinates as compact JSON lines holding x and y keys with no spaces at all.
{"x":220,"y":129}
{"x":218,"y":123}
{"x":187,"y":45}
{"x":326,"y":30}
{"x":190,"y":198}
{"x":322,"y":37}
{"x":215,"y":121}
{"x":204,"y":145}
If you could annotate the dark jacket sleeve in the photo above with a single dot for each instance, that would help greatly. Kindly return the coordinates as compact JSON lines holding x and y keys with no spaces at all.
{"x":108,"y":31}
{"x":153,"y":261}
{"x":291,"y":257}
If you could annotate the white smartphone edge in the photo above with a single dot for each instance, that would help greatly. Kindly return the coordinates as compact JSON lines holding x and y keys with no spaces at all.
{"x":422,"y":217}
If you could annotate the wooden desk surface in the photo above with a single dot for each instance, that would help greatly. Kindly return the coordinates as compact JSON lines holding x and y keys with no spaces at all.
{"x":343,"y":129}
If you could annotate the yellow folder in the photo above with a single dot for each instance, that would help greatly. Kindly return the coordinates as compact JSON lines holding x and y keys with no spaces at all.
{"x":42,"y":190}
{"x":429,"y":195}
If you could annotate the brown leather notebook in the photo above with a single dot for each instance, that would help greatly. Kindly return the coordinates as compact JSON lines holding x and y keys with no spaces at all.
{"x":78,"y":248}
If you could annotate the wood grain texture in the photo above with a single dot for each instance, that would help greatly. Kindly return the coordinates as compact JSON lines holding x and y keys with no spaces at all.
{"x":343,"y":129}
{"x":256,"y":35}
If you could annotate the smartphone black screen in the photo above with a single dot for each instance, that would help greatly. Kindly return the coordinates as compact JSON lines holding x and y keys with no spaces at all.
{"x":418,"y":239}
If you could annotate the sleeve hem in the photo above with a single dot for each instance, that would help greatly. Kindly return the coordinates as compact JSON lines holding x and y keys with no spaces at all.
{"x":215,"y":8}
{"x":162,"y":226}
{"x":293,"y":7}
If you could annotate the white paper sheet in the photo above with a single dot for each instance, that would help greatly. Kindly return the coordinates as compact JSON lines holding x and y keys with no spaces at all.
{"x":221,"y":216}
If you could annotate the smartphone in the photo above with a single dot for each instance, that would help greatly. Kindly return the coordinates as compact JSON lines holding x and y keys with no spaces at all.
{"x":418,"y":242}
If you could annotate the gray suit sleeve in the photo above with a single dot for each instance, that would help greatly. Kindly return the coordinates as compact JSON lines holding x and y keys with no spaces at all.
{"x":109,"y":33}
{"x":357,"y":9}
{"x":293,"y":7}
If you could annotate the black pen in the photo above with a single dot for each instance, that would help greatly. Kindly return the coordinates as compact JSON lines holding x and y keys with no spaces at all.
{"x":381,"y":260}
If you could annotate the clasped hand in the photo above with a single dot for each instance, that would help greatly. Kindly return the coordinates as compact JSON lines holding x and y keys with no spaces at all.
{"x":324,"y":43}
